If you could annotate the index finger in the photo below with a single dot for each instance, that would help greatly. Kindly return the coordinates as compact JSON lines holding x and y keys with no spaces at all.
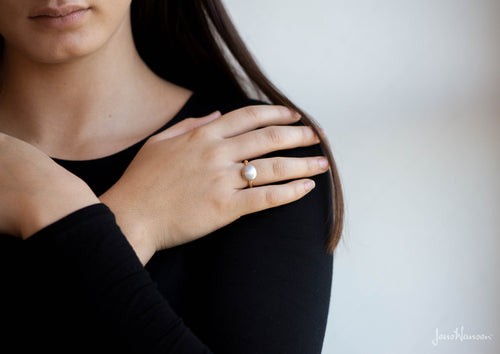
{"x":252,"y":117}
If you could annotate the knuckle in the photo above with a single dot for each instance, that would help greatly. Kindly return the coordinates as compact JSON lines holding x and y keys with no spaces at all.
{"x":313,"y":165}
{"x":279,"y":169}
{"x":272,"y":197}
{"x":205,"y":132}
{"x":197,"y":135}
{"x":274,"y":135}
{"x":222,"y":205}
{"x":251,"y":112}
{"x":222,"y":200}
{"x":307,"y":133}
{"x":213,"y":152}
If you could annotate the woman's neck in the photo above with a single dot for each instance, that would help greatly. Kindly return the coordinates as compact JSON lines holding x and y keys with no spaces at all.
{"x":74,"y":105}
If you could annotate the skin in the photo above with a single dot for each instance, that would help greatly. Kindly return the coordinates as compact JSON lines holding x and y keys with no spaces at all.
{"x":64,"y":94}
{"x":40,"y":69}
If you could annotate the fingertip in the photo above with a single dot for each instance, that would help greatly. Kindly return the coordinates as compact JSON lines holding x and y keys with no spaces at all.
{"x":309,"y":185}
{"x":213,"y":116}
{"x":292,"y":113}
{"x":296,"y":115}
{"x":324,"y":164}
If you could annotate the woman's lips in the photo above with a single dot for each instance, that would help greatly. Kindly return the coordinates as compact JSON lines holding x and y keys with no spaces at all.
{"x":59,"y":18}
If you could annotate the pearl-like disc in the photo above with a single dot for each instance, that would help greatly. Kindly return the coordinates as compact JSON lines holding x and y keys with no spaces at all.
{"x":249,"y":172}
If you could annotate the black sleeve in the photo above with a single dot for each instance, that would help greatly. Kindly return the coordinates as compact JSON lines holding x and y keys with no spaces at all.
{"x":90,"y":244}
{"x":259,"y":285}
{"x":264,"y":281}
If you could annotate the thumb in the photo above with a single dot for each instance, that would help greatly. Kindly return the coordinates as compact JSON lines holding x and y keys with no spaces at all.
{"x":185,"y":126}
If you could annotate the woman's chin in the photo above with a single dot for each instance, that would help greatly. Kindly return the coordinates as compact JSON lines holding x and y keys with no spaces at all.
{"x":62,"y":52}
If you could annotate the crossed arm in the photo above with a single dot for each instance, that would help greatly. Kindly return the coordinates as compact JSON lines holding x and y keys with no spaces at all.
{"x":89,"y":243}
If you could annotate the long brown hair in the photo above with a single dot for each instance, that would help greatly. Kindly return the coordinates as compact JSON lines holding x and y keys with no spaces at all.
{"x":194,"y":44}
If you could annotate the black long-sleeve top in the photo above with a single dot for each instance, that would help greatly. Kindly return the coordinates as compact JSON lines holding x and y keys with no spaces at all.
{"x":259,"y":285}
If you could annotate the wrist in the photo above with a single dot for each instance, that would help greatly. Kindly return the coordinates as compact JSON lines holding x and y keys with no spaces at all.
{"x":134,"y":230}
{"x":140,"y":242}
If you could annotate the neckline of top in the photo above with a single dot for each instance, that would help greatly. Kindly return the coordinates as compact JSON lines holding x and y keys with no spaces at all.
{"x":172,"y":121}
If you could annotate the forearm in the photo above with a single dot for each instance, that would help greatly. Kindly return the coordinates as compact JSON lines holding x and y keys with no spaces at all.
{"x":90,"y":244}
{"x":36,"y":192}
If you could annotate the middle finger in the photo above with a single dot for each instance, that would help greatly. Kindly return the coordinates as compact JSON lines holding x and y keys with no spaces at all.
{"x":266,"y":140}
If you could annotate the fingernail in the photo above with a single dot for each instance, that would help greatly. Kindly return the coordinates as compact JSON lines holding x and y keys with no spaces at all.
{"x":213,"y":116}
{"x":323,"y":163}
{"x":295,"y":114}
{"x":216,"y":114}
{"x":309,"y":185}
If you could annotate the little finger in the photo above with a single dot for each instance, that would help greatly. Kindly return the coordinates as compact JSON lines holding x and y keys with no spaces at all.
{"x":252,"y":200}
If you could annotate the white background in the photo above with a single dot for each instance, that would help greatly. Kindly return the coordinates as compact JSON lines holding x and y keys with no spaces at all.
{"x":409,"y":95}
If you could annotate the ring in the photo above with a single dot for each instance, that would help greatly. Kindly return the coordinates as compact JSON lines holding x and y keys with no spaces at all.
{"x":249,"y":173}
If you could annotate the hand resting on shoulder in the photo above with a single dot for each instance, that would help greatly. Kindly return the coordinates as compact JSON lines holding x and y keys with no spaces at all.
{"x":183,"y":184}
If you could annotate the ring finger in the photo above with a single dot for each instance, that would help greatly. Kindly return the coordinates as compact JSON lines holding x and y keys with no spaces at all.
{"x":279,"y":169}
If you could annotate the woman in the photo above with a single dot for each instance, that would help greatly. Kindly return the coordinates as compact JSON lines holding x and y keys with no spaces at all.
{"x":145,"y":231}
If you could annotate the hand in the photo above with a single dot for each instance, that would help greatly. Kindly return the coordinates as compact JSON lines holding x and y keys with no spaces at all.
{"x":35,"y":191}
{"x":186,"y":182}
